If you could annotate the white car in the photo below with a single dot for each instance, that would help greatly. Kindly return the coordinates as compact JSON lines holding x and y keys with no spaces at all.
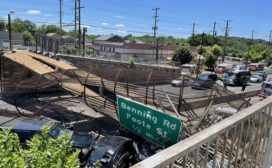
{"x":178,"y":82}
{"x":256,"y":78}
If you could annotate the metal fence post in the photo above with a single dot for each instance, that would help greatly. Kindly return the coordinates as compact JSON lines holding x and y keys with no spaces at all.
{"x":268,"y":151}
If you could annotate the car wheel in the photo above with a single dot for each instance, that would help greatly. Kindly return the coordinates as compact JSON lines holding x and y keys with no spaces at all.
{"x":125,"y":157}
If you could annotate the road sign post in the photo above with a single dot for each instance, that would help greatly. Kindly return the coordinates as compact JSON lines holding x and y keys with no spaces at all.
{"x":149,"y":123}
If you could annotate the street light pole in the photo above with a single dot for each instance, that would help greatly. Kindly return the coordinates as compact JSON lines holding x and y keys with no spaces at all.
{"x":9,"y":30}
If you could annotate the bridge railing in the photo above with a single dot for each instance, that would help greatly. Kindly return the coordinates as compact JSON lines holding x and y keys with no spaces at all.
{"x":242,"y":140}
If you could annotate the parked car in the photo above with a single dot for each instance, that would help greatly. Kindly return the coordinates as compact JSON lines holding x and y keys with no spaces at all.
{"x":188,"y":69}
{"x":178,"y":82}
{"x":266,"y":90}
{"x":262,"y":74}
{"x":255,"y":78}
{"x":204,"y":81}
{"x":256,"y":67}
{"x":236,"y":78}
{"x":109,"y":150}
{"x":270,"y":66}
{"x":222,"y":68}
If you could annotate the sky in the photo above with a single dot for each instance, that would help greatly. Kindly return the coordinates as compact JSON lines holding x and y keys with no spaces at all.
{"x":176,"y":17}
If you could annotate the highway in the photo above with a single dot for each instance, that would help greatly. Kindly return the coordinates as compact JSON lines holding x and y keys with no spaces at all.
{"x":192,"y":93}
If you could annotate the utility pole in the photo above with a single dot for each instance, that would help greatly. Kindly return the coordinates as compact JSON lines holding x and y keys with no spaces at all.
{"x":75,"y":31}
{"x":200,"y":54}
{"x":225,"y":41}
{"x":193,"y":32}
{"x":214,"y":31}
{"x":10,"y":33}
{"x":270,"y":36}
{"x":155,"y":28}
{"x":84,"y":41}
{"x":249,"y":45}
{"x":60,"y":10}
{"x":79,"y":26}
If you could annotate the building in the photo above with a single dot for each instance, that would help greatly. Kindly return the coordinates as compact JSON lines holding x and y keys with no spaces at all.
{"x":114,"y":47}
{"x":17,"y":39}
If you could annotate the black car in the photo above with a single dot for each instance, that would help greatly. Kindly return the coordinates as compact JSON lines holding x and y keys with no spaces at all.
{"x":236,"y":78}
{"x":204,"y":81}
{"x":109,"y":150}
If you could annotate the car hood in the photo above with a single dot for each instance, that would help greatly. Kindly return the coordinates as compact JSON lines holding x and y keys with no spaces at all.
{"x":227,"y":78}
{"x":109,"y":145}
{"x":81,"y":140}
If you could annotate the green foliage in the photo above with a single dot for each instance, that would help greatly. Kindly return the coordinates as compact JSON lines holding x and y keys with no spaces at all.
{"x":27,"y":37}
{"x":161,"y":40}
{"x":131,"y":63}
{"x":97,"y":164}
{"x":2,"y":25}
{"x":20,"y":26}
{"x":210,"y":60}
{"x":10,"y":149}
{"x":258,"y":52}
{"x":203,"y":39}
{"x":216,"y":50}
{"x":182,"y":55}
{"x":42,"y":152}
{"x":50,"y":29}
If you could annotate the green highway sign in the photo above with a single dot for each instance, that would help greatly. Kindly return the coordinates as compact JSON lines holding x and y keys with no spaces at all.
{"x":151,"y":124}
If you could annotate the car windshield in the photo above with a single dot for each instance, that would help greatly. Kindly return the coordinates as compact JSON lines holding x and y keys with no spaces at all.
{"x":230,"y":75}
{"x":254,"y":76}
{"x":59,"y":131}
{"x":204,"y":76}
{"x":185,"y":67}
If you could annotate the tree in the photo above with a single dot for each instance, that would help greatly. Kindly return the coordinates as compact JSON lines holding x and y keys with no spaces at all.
{"x":210,"y":60}
{"x":267,"y":55}
{"x":43,"y":151}
{"x":50,"y":29}
{"x":182,"y":55}
{"x":27,"y":37}
{"x":20,"y":26}
{"x":2,"y":25}
{"x":216,"y":50}
{"x":203,"y":39}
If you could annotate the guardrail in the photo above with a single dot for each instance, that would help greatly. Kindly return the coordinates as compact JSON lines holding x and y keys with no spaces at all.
{"x":242,"y":140}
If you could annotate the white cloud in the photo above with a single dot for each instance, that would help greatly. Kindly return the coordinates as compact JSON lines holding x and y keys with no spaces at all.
{"x":105,"y":24}
{"x":33,"y":12}
{"x":120,"y":25}
{"x":120,"y":17}
{"x":82,"y":25}
{"x":121,"y":31}
{"x":180,"y":28}
{"x":48,"y":15}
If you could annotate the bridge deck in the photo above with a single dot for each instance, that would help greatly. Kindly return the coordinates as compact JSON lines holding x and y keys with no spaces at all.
{"x":44,"y":65}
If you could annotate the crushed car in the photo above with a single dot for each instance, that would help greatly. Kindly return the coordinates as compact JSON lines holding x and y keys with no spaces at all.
{"x":108,"y":150}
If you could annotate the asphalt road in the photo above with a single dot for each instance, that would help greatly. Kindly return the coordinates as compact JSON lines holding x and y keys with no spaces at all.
{"x":192,"y":93}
